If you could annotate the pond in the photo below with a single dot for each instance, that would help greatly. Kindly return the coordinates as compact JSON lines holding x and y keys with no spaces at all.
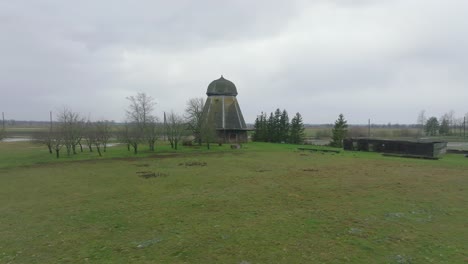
{"x":16,"y":139}
{"x":457,"y":145}
{"x":24,"y":139}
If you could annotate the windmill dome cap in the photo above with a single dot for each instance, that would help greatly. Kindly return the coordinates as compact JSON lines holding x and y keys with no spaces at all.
{"x":221,"y":86}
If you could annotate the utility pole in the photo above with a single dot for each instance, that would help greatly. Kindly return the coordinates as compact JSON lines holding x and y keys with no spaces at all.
{"x":50,"y":120}
{"x":368,"y":129}
{"x":3,"y":121}
{"x":464,"y":127}
{"x":164,"y":127}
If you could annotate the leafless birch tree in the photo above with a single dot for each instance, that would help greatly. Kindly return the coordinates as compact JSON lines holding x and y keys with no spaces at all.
{"x":175,"y":128}
{"x":142,"y":124}
{"x":193,"y":114}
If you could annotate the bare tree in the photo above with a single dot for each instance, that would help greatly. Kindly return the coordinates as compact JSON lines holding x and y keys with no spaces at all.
{"x":97,"y":134}
{"x":193,"y":114}
{"x":97,"y":139}
{"x":103,"y":133}
{"x":2,"y":129}
{"x":451,"y":120}
{"x":152,"y":132}
{"x":53,"y":138}
{"x":458,"y":123}
{"x":44,"y":138}
{"x":132,"y":135}
{"x":208,"y":131}
{"x":140,"y":117}
{"x":57,"y":141}
{"x":465,"y":121}
{"x":89,"y":135}
{"x":175,"y":128}
{"x":140,"y":108}
{"x":122,"y":135}
{"x":71,"y":127}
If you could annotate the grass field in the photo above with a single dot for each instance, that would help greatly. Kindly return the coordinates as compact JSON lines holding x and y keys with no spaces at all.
{"x":265,"y":203}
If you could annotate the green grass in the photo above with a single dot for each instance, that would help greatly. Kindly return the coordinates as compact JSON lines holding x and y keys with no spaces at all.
{"x":265,"y":203}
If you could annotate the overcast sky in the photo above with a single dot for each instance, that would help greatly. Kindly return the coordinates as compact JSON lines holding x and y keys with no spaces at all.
{"x":380,"y":59}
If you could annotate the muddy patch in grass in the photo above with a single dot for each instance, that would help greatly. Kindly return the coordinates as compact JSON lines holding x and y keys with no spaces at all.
{"x":309,"y":169}
{"x":150,"y":174}
{"x":193,"y":163}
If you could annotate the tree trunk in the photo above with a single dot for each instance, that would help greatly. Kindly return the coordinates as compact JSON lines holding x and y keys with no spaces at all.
{"x":57,"y":153}
{"x":81,"y":147}
{"x":135,"y":149}
{"x":90,"y":148}
{"x":50,"y":148}
{"x":98,"y":150}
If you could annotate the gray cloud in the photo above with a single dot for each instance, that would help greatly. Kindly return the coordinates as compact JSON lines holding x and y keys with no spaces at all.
{"x":384,"y":60}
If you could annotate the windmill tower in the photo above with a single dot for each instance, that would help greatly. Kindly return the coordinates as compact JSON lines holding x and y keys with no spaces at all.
{"x":222,"y":109}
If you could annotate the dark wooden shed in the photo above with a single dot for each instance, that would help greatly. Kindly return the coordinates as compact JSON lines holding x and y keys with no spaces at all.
{"x":423,"y":149}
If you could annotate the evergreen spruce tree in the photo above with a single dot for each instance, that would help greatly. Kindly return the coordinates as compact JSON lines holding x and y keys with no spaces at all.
{"x":256,"y":133}
{"x":339,"y":132}
{"x":270,"y":128}
{"x":263,"y":128}
{"x":297,"y":134}
{"x":274,"y":128}
{"x":276,"y":133}
{"x":432,"y":126}
{"x":444,"y":128}
{"x":284,"y":127}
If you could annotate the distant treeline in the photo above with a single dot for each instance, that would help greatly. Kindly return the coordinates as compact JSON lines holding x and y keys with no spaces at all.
{"x":32,"y":124}
{"x":389,"y":125}
{"x":26,"y":123}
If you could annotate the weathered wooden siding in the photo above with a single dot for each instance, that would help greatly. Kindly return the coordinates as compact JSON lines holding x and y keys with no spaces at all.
{"x":430,"y":149}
